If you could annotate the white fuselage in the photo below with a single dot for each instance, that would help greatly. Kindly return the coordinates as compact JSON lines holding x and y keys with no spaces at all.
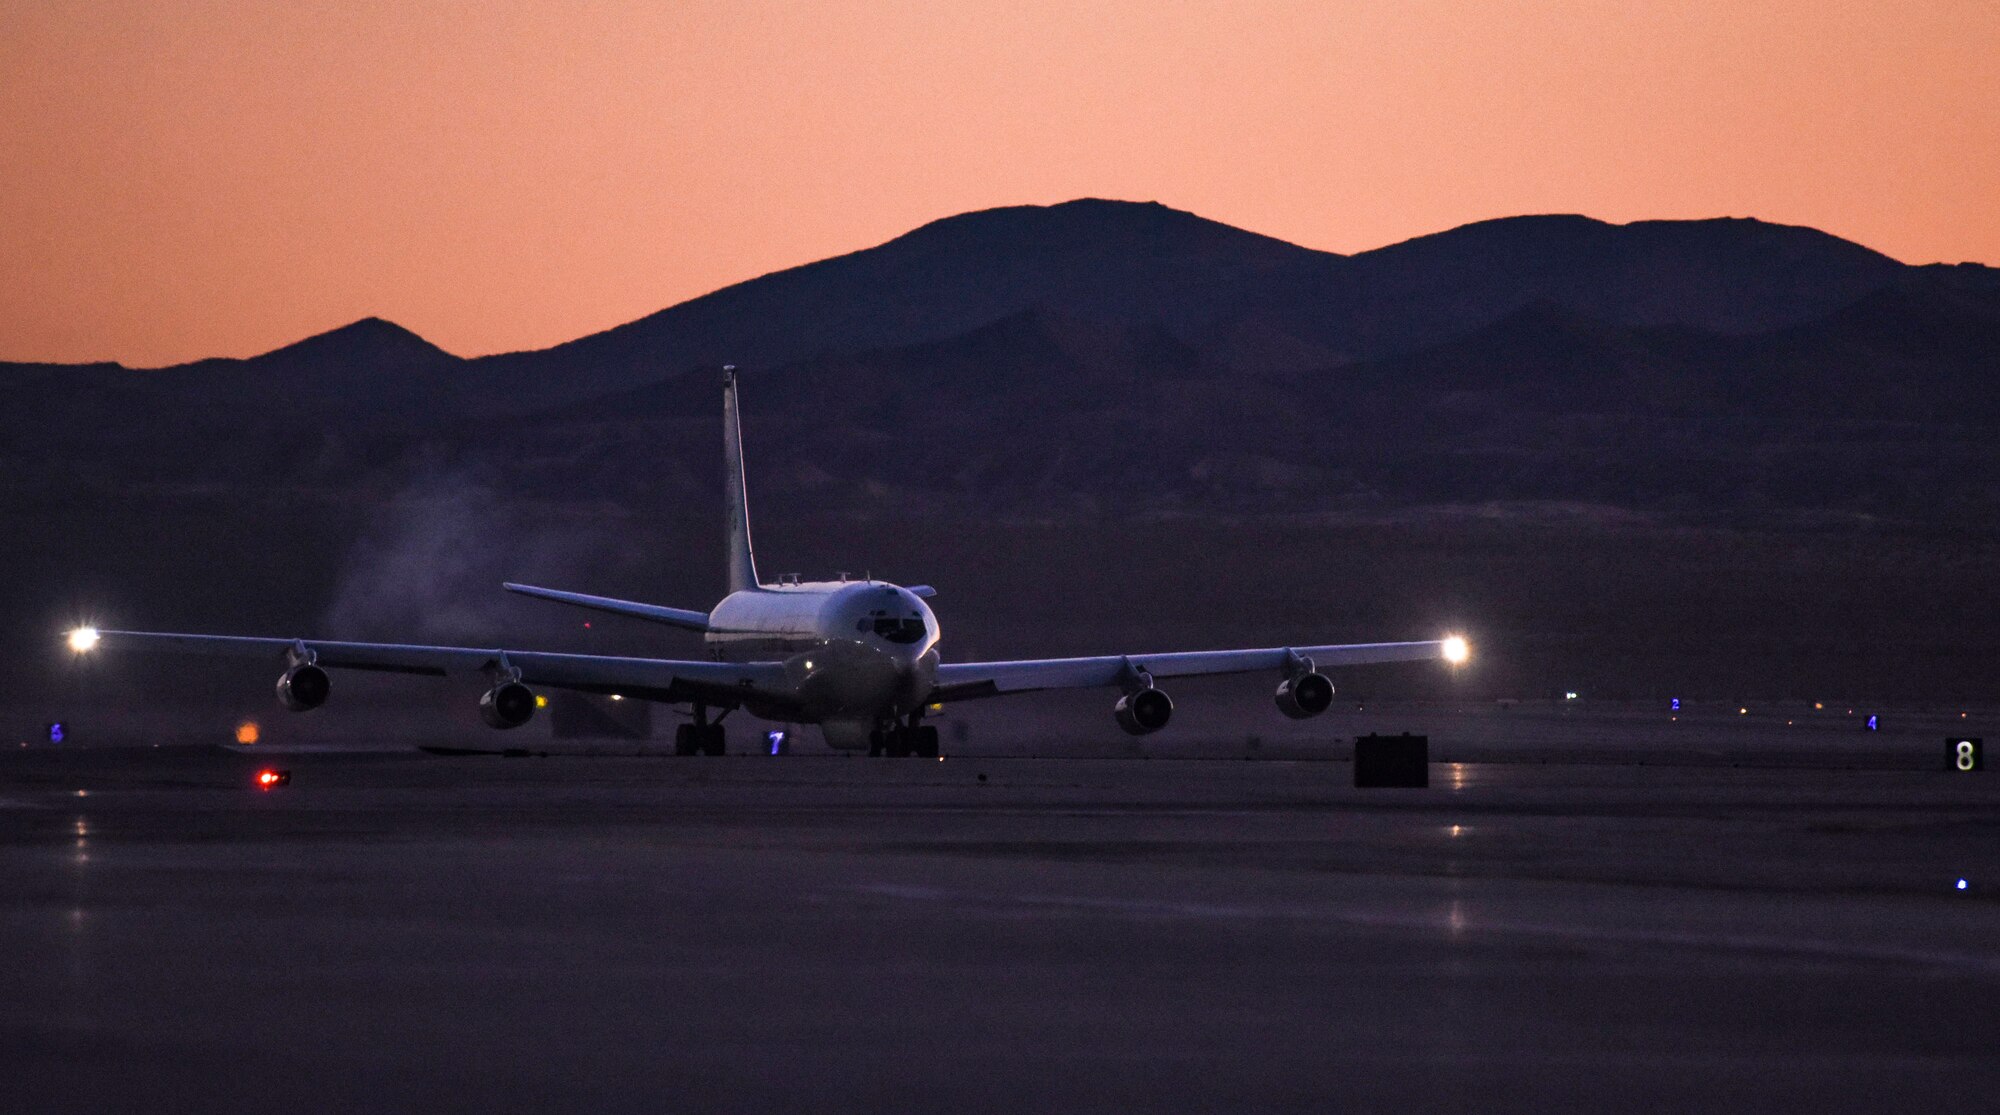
{"x":859,"y":654}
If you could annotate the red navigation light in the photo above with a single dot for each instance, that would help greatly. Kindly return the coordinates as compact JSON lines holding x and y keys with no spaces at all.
{"x":269,"y":779}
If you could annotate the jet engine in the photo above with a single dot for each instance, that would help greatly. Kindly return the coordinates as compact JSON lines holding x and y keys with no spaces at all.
{"x":1143,"y":711}
{"x":1304,"y":696}
{"x":304,"y":687}
{"x":507,"y":705}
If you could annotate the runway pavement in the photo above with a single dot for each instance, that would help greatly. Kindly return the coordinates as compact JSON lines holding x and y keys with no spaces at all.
{"x":603,"y":933}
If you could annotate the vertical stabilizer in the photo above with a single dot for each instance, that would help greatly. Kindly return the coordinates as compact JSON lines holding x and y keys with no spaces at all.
{"x":742,"y":564}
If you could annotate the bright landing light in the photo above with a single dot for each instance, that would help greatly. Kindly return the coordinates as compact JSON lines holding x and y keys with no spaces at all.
{"x":1455,"y":650}
{"x":83,"y":639}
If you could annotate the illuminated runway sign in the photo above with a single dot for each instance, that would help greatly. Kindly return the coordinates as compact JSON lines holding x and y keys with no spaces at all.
{"x":1965,"y":754}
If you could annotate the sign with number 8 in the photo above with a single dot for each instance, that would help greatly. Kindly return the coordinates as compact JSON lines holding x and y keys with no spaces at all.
{"x":1967,"y":755}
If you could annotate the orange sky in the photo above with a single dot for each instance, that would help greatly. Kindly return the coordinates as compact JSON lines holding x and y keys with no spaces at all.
{"x":193,"y":179}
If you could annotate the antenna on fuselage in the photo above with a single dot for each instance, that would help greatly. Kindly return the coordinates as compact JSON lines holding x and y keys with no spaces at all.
{"x":742,"y":563}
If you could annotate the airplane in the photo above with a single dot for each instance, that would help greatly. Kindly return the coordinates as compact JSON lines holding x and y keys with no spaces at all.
{"x":858,"y":658}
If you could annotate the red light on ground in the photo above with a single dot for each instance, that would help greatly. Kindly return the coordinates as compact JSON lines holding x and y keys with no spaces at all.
{"x":268,"y":779}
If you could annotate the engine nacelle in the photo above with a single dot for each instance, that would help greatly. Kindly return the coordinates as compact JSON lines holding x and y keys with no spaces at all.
{"x":1144,"y":711}
{"x":304,"y":687}
{"x":1305,"y":696}
{"x":507,"y":705}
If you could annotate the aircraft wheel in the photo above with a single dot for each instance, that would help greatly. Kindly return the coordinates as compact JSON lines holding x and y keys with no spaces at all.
{"x":926,"y":742}
{"x":899,"y":743}
{"x":713,"y":741}
{"x":684,"y":743}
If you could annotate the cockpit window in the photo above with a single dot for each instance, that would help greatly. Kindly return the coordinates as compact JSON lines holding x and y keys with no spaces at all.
{"x":900,"y":630}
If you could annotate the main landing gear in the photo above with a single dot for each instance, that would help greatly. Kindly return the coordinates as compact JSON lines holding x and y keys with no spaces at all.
{"x":900,"y":741}
{"x":700,"y":737}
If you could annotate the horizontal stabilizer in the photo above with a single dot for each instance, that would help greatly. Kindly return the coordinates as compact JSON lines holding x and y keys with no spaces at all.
{"x":675,"y":617}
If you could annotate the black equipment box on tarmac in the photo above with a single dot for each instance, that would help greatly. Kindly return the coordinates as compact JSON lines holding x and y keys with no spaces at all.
{"x":1402,"y":761}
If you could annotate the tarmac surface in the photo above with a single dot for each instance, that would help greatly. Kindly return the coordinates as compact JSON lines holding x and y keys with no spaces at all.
{"x":597,"y":932}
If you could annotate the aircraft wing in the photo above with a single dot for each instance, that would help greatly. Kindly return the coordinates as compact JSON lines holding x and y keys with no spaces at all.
{"x":657,"y":679}
{"x":960,"y":681}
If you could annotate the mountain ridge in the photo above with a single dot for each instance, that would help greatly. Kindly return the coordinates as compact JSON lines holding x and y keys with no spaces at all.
{"x":1145,"y":260}
{"x":1134,"y":358}
{"x":1569,"y":444}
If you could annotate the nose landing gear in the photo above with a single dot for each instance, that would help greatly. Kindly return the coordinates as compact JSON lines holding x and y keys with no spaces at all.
{"x":901,"y":741}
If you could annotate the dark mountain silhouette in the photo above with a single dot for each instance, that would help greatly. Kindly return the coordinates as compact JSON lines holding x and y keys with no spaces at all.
{"x":370,"y":342}
{"x":369,"y":366}
{"x":1568,"y":435}
{"x":1139,"y":262}
{"x":1853,"y":414}
{"x":1726,"y":276}
{"x":1249,"y":297}
{"x":1205,"y":282}
{"x":1115,"y":356}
